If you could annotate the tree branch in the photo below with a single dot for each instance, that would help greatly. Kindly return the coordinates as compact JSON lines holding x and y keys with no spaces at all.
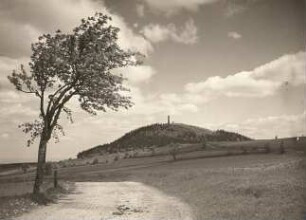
{"x":59,"y":108}
{"x":21,"y":90}
{"x":62,"y":94}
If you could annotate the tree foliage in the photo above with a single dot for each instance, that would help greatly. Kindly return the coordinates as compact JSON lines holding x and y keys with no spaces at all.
{"x":77,"y":64}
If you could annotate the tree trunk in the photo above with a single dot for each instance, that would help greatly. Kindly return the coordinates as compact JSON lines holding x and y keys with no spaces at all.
{"x":40,"y":164}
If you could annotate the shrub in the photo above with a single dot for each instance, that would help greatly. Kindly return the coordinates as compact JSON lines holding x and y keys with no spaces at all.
{"x":173,"y":151}
{"x":281,"y":147}
{"x":116,"y":158}
{"x":95,"y":161}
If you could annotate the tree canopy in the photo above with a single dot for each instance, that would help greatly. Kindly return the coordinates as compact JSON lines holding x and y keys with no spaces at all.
{"x":77,"y":64}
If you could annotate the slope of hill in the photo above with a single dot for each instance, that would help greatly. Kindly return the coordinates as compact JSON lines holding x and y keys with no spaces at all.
{"x":158,"y":135}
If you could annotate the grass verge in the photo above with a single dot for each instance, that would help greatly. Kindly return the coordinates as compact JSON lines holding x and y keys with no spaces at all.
{"x":15,"y":205}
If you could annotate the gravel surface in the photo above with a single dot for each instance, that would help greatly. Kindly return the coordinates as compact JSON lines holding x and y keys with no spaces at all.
{"x":113,"y":200}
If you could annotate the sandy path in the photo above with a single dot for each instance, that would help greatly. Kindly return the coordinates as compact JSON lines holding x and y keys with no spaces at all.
{"x":113,"y":200}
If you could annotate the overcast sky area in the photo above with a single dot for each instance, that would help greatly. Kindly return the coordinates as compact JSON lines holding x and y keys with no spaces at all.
{"x":237,"y":65}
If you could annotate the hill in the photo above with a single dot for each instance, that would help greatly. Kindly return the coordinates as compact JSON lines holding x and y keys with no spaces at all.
{"x":158,"y":135}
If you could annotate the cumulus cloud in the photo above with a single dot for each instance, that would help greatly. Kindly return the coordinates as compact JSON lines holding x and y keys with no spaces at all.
{"x":4,"y":135}
{"x":268,"y":127}
{"x":129,"y":40}
{"x":11,"y":101}
{"x":136,"y":74}
{"x":23,"y":21}
{"x":263,"y":81}
{"x":234,"y":35}
{"x":13,"y":104}
{"x":234,"y":8}
{"x":158,"y":33}
{"x":140,"y":10}
{"x":159,"y":104}
{"x":172,"y":6}
{"x":176,"y":104}
{"x":17,"y":109}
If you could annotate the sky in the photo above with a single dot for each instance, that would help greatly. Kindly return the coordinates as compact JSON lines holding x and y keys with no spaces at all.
{"x":237,"y":65}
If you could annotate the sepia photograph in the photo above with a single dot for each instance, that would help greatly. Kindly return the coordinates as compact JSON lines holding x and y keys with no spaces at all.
{"x":152,"y":110}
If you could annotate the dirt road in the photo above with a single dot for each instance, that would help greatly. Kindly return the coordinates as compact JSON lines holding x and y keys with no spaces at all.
{"x":113,"y":200}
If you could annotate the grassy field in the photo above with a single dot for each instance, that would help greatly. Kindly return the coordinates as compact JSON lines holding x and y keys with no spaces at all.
{"x":239,"y":187}
{"x":263,"y":186}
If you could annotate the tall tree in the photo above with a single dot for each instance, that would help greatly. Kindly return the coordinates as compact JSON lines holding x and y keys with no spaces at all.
{"x":79,"y":65}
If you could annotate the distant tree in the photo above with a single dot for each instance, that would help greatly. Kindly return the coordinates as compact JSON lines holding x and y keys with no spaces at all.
{"x":126,"y":155}
{"x":173,"y":151}
{"x":78,"y":65}
{"x":282,"y":147}
{"x":116,"y":158}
